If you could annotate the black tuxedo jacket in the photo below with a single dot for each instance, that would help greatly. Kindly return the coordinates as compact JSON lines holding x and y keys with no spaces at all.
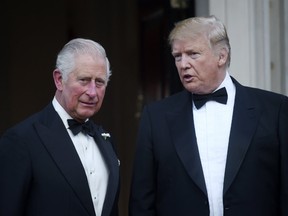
{"x":41,"y":173}
{"x":168,"y":179}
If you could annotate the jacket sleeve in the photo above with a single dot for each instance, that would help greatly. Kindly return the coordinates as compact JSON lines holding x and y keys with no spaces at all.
{"x":142,"y":197}
{"x":283,"y":136}
{"x":15,"y":175}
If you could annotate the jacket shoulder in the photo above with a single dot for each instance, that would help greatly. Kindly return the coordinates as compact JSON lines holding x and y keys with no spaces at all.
{"x":172,"y":102}
{"x":24,"y":127}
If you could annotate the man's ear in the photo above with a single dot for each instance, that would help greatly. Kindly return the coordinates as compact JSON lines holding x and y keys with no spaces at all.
{"x":58,"y":79}
{"x":223,"y":56}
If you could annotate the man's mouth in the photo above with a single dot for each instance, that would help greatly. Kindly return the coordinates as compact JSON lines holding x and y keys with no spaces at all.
{"x":89,"y":103}
{"x":187,"y":77}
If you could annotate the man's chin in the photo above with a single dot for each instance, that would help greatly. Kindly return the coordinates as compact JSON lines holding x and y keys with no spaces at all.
{"x":87,"y":114}
{"x":190,"y":88}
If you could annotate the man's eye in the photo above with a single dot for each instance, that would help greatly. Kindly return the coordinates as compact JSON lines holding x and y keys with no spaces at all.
{"x":100,"y":83}
{"x":194,"y":55}
{"x":84,"y":80}
{"x":177,"y":57}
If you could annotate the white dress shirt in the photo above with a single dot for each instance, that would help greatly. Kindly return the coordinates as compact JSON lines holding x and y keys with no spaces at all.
{"x":92,"y":161}
{"x":212,"y":126}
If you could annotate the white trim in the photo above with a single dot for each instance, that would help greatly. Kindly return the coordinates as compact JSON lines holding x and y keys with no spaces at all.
{"x":285,"y":42}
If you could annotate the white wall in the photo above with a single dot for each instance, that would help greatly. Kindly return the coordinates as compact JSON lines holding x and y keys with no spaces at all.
{"x":284,"y":34}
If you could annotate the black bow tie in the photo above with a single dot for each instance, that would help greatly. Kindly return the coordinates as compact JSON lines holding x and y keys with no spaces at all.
{"x":77,"y":127}
{"x":219,"y":96}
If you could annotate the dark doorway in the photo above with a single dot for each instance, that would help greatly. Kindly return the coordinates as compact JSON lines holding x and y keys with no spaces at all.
{"x":159,"y":77}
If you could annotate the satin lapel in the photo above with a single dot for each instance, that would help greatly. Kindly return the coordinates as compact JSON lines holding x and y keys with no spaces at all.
{"x":59,"y":145}
{"x":112,"y":162}
{"x":244,"y":123}
{"x":184,"y":139}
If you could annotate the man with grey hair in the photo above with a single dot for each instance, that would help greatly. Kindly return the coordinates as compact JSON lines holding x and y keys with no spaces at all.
{"x":216,"y":148}
{"x":58,"y":162}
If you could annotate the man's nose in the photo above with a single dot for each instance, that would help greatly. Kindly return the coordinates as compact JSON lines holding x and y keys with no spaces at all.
{"x":92,"y":90}
{"x":184,"y":62}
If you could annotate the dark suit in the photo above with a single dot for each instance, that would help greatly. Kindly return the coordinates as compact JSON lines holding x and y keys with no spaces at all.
{"x":168,"y":179}
{"x":41,"y":172}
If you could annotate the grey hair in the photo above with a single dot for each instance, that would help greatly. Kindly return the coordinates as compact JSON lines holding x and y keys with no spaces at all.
{"x":210,"y":26}
{"x":65,"y":62}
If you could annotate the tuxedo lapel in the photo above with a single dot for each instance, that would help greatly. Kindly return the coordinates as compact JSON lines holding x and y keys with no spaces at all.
{"x":112,"y":163}
{"x":59,"y":145}
{"x":184,"y":139}
{"x":244,"y":122}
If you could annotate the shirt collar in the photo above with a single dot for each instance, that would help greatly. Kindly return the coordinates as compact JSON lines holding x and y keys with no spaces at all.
{"x":227,"y":83}
{"x":61,"y":112}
